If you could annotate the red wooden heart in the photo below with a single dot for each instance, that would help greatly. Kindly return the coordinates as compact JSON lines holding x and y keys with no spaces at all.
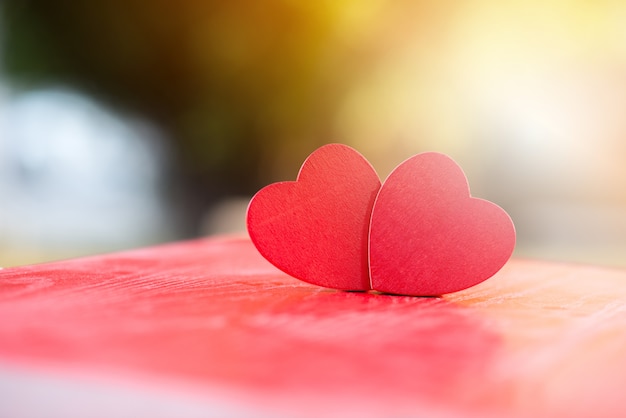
{"x":429,"y":237}
{"x":316,"y":228}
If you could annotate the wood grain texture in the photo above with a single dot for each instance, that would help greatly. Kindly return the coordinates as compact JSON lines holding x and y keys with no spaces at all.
{"x":213,"y":317}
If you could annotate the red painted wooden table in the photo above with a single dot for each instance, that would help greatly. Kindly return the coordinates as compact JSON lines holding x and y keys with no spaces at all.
{"x":209,"y":328}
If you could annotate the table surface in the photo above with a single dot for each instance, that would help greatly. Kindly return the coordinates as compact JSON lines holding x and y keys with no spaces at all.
{"x":209,"y":328}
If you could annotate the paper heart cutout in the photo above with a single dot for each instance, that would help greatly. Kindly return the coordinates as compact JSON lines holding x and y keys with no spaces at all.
{"x":419,"y":234}
{"x":429,"y":237}
{"x":316,"y":228}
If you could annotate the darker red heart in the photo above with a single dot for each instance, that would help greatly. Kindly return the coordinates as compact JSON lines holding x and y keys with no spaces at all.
{"x":316,"y":228}
{"x":429,"y":237}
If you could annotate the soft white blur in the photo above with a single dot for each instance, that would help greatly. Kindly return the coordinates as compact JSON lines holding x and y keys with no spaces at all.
{"x":76,"y":178}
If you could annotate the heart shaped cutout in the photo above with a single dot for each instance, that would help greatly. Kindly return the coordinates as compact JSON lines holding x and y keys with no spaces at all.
{"x":419,"y":234}
{"x":429,"y":237}
{"x":316,"y":228}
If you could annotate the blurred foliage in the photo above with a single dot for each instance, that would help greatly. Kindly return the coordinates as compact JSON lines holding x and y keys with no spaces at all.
{"x":228,"y":81}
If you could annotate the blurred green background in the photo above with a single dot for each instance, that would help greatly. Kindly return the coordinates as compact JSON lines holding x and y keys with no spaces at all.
{"x":129,"y":123}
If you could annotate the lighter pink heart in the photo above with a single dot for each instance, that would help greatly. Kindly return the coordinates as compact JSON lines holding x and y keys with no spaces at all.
{"x":429,"y":237}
